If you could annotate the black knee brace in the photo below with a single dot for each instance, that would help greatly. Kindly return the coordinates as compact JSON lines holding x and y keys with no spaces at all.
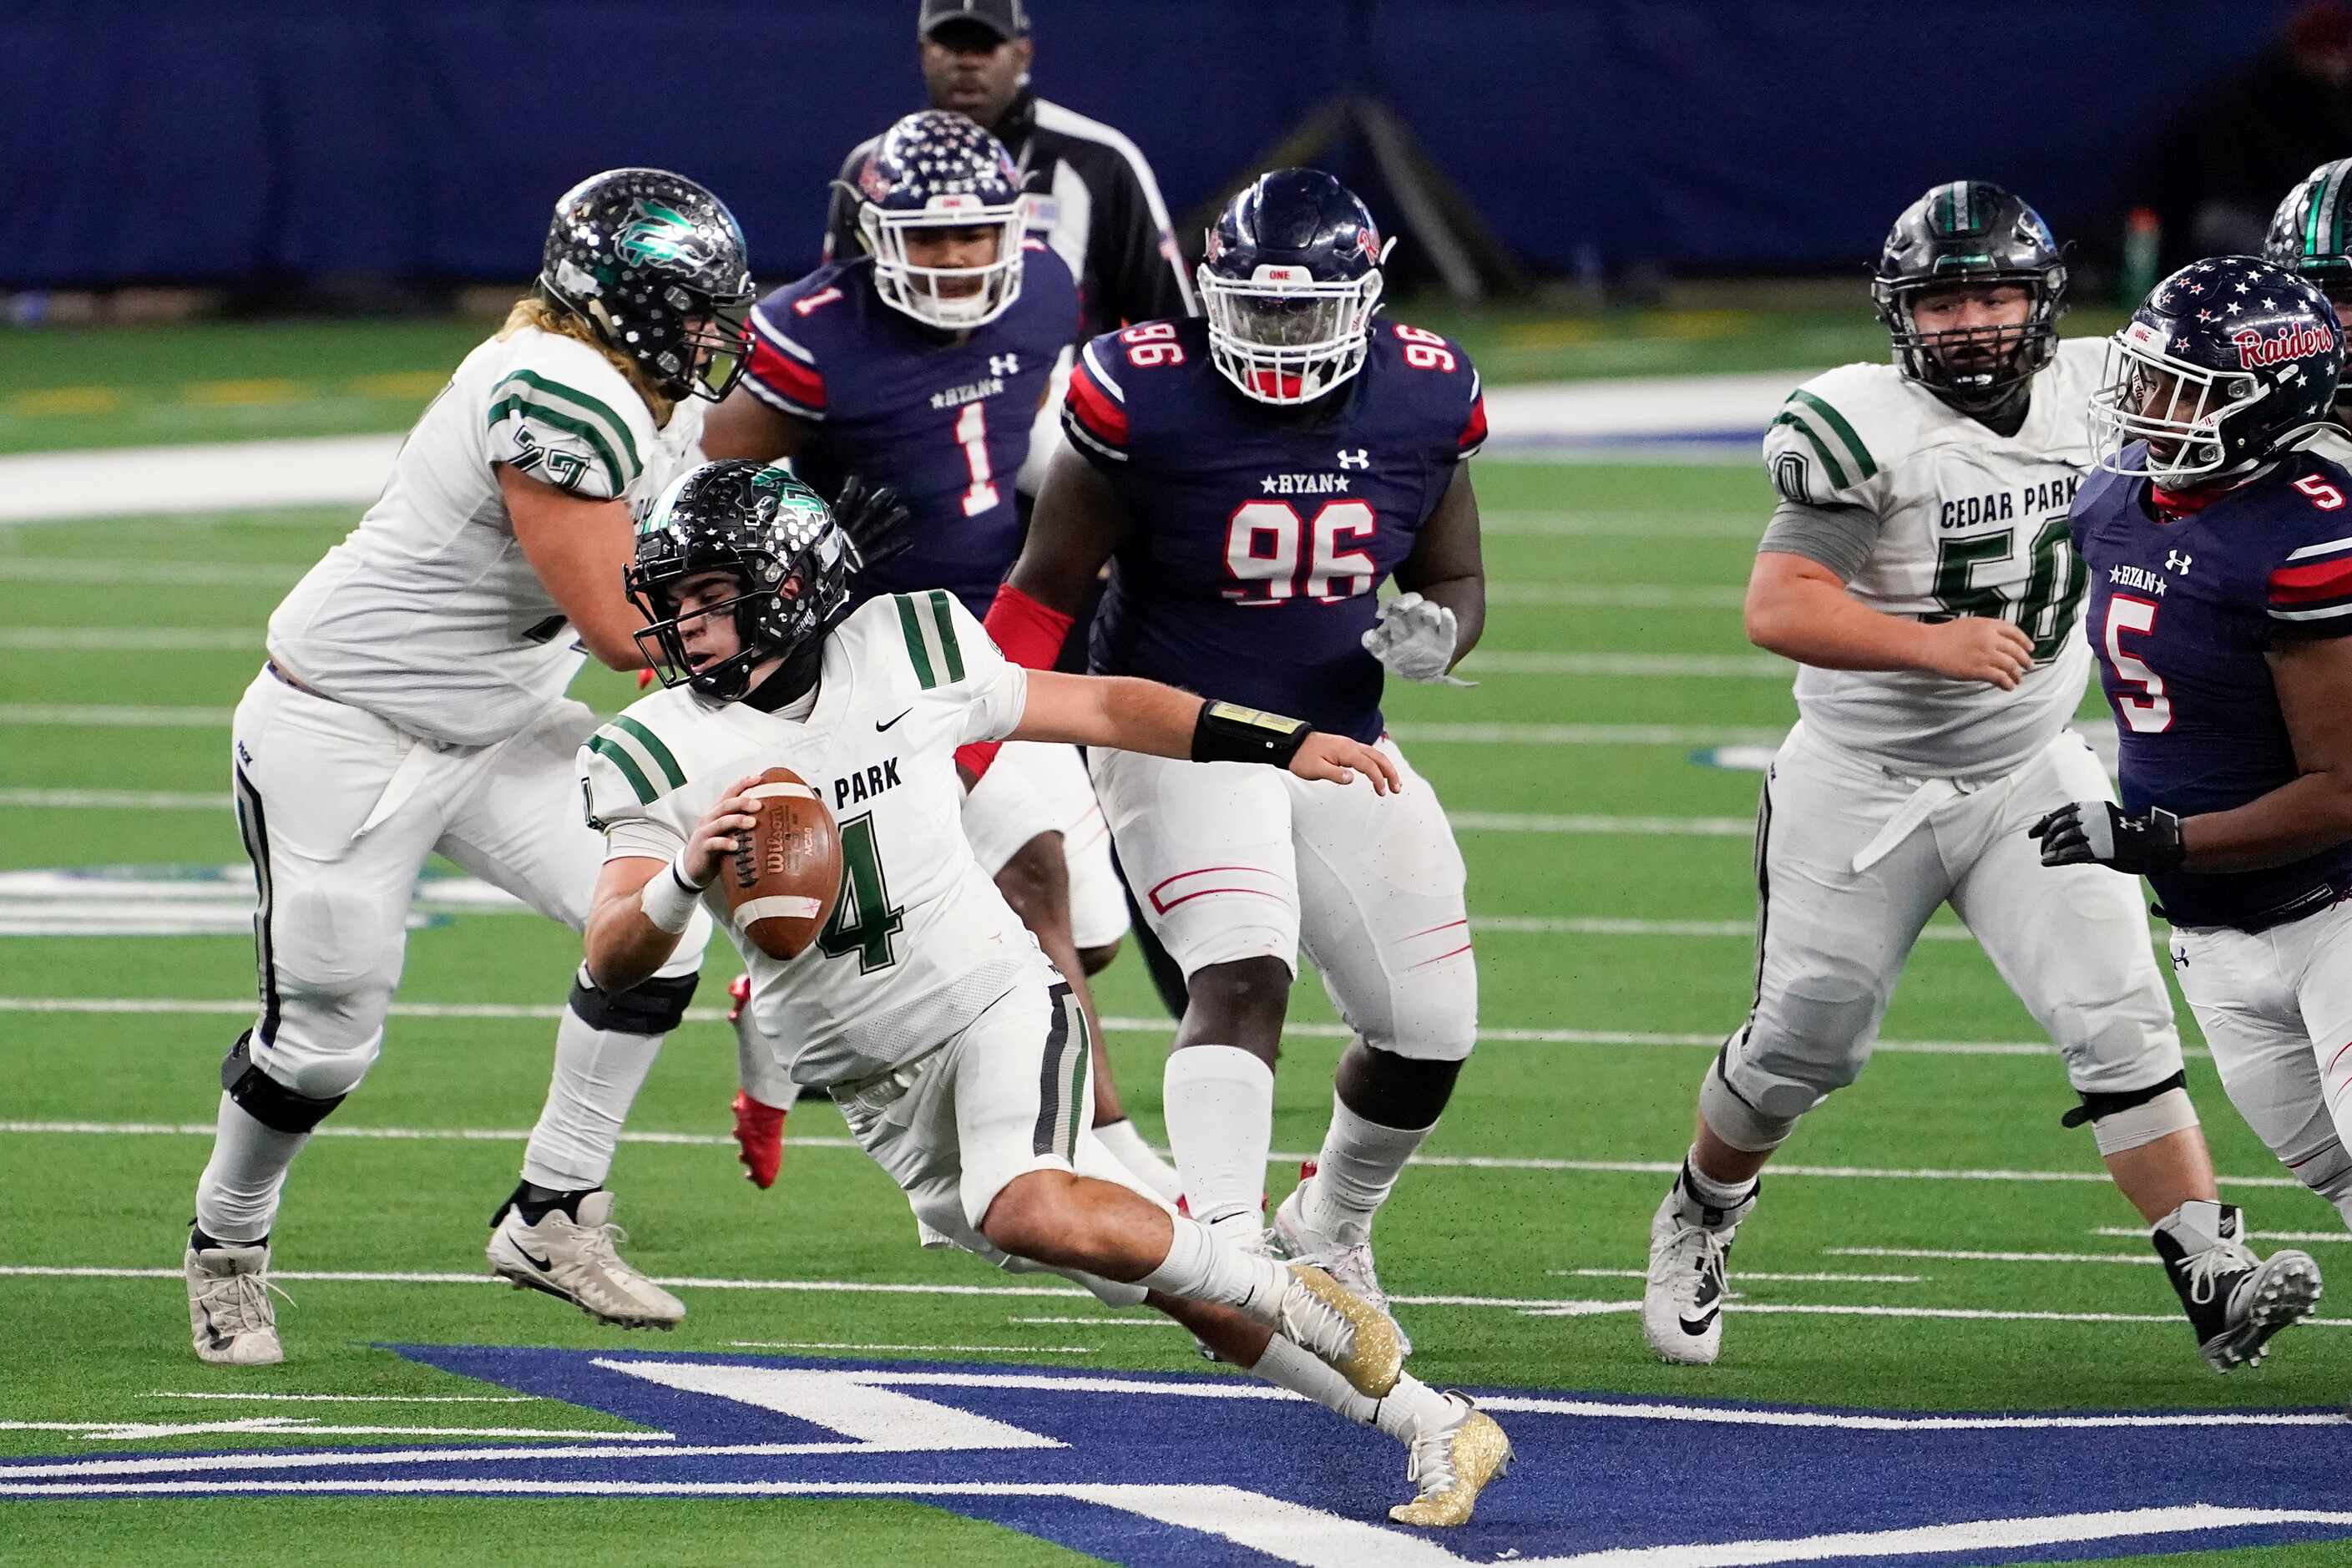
{"x":265,"y":1100}
{"x":2096,"y":1106}
{"x":654,"y":1008}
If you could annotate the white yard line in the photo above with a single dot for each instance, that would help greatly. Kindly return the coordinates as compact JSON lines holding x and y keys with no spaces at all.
{"x":358,"y":1398}
{"x":1745,"y":1277}
{"x":115,"y":799}
{"x":1962,"y":1255}
{"x":123,"y":481}
{"x":1511,"y":523}
{"x":1134,"y":1321}
{"x":1617,"y":595}
{"x":1601,"y":826}
{"x":1574,"y":734}
{"x":1645,"y":666}
{"x":1290,"y":1158}
{"x":131,"y":640}
{"x":2300,"y":1237}
{"x":308,"y":1426}
{"x":107,"y":571}
{"x":1971,"y":1314}
{"x":1002,"y":1350}
{"x":113,"y":716}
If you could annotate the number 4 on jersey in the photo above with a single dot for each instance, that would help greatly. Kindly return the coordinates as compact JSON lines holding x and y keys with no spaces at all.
{"x":864,"y":919}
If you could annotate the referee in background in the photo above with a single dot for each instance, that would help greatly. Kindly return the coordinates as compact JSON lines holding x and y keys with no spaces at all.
{"x":1091,"y":196}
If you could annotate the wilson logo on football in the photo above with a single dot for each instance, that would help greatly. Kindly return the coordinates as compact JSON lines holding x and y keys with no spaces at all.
{"x":2255,"y":349}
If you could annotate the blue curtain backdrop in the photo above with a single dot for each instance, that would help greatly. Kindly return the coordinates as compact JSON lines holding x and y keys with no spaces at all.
{"x":427,"y":138}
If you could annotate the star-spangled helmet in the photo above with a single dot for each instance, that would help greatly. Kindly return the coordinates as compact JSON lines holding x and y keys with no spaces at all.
{"x":2227,"y":361}
{"x":655,"y":265}
{"x":774,"y":533}
{"x":1970,"y":231}
{"x":938,"y":170}
{"x":1289,"y":280}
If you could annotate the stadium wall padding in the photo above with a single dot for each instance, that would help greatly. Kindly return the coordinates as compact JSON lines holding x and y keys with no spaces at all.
{"x":244,"y":140}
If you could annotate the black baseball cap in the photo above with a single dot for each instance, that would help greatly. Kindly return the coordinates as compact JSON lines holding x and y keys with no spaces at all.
{"x":1006,"y":18}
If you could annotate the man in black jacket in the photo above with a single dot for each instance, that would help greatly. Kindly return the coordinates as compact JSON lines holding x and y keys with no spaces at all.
{"x":1091,"y":196}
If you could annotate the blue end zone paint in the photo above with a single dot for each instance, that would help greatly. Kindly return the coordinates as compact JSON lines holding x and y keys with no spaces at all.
{"x":1583,"y":1482}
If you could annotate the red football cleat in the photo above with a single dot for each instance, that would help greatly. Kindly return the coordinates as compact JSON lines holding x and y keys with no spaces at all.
{"x":760,"y":1140}
{"x":738,"y":996}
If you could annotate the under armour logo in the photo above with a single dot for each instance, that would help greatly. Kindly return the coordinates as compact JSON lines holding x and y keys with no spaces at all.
{"x":2176,"y":562}
{"x":1004,"y":364}
{"x":1359,"y":458}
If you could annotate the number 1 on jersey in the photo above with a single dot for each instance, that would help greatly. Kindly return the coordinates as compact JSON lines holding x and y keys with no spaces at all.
{"x":972,"y":435}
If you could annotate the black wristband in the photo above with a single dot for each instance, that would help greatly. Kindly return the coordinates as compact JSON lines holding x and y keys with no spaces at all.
{"x":1225,"y":732}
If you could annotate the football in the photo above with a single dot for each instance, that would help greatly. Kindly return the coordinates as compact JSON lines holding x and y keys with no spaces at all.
{"x":784,"y":877}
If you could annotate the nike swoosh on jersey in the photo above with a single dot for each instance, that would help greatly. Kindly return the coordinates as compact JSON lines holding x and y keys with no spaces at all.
{"x":882,"y":724}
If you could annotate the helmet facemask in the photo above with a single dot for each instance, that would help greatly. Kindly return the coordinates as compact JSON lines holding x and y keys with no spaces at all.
{"x":2179,"y":409}
{"x":980,"y":293}
{"x":1977,"y":370}
{"x":1283,"y":337}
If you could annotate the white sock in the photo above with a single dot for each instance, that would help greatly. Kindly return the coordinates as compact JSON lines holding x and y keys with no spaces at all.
{"x":1400,"y":1416}
{"x":1715,"y":1194}
{"x":1141,"y":1160}
{"x":1355,"y":1174}
{"x":1219,"y":1102}
{"x":1201,"y":1267}
{"x":758,"y":1070}
{"x":597,"y":1074}
{"x":237,"y":1197}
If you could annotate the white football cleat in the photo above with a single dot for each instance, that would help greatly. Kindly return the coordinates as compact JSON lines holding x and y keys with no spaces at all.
{"x":1342,"y":1331}
{"x":230,"y":1315}
{"x":1350,"y":1264}
{"x":1682,"y":1304}
{"x":576,"y":1260}
{"x":1452,"y":1464}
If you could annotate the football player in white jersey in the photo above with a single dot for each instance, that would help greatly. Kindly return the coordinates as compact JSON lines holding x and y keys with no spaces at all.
{"x":1919,"y":571}
{"x":957,"y":1052}
{"x":414,"y":702}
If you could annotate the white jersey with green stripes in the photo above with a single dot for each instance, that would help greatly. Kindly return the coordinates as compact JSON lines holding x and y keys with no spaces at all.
{"x":1968,"y":522}
{"x":427,"y":614}
{"x":922,"y":941}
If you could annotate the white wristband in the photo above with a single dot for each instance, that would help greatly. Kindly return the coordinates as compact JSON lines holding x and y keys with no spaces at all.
{"x":669,"y":900}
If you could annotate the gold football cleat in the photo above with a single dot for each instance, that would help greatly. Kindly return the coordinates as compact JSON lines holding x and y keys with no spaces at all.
{"x":1363,"y":1345}
{"x":1452,"y":1466}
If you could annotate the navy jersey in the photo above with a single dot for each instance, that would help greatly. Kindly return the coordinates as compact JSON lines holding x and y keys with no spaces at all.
{"x":944,"y":417}
{"x":2181,"y":616}
{"x":1261,"y":534}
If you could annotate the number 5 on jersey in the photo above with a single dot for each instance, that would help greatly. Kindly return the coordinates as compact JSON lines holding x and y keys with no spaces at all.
{"x":2154,"y":715}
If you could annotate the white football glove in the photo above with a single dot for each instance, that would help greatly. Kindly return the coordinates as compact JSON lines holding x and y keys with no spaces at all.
{"x":1415,"y":640}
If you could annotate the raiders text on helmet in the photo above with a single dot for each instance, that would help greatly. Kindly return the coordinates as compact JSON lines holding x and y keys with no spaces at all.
{"x":1971,"y":232}
{"x":1290,"y":279}
{"x":2226,"y":362}
{"x":771,"y":533}
{"x":655,"y":265}
{"x":937,"y":170}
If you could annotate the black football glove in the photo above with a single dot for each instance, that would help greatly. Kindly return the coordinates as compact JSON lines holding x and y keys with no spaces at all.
{"x":2085,"y":831}
{"x":874,"y":517}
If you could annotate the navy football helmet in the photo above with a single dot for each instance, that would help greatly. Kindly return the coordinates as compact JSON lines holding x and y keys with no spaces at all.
{"x":772,"y":533}
{"x":655,"y":264}
{"x":2227,"y":361}
{"x":938,"y":170}
{"x":1290,"y":280}
{"x":1970,"y":231}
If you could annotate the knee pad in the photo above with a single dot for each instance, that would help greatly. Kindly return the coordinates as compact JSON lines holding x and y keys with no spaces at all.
{"x":1737,"y":1121}
{"x":268,"y":1101}
{"x":655,"y":1006}
{"x":2128,"y":1119}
